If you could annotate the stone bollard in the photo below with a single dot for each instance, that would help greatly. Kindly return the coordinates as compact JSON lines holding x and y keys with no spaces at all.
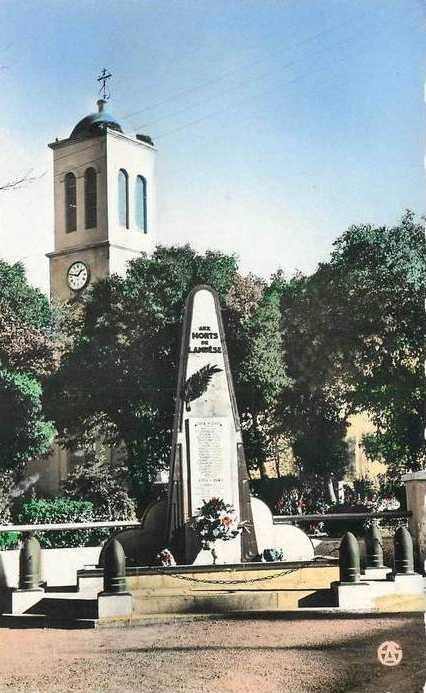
{"x":403,"y":552}
{"x":374,"y":546}
{"x":403,"y":590}
{"x":374,"y":570}
{"x":350,"y":593}
{"x":114,"y":568}
{"x":415,"y":487}
{"x":349,"y":561}
{"x":29,"y":564}
{"x":114,"y":601}
{"x":19,"y":600}
{"x":407,"y":585}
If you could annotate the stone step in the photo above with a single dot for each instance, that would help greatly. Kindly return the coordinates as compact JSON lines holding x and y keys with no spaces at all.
{"x":44,"y":621}
{"x":227,"y":601}
{"x":69,"y":607}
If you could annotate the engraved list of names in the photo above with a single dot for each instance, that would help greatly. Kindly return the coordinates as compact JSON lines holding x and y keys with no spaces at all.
{"x":210,"y":460}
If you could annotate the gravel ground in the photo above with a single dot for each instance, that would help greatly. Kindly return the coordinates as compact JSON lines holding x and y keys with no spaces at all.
{"x":257,"y":655}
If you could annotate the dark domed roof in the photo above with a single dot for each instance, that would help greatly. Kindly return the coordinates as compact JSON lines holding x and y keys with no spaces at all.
{"x":96,"y":123}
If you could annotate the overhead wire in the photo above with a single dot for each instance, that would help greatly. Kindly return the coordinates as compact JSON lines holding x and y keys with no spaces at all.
{"x":245,"y":66}
{"x":222,"y":109}
{"x":161,"y":135}
{"x":231,"y":89}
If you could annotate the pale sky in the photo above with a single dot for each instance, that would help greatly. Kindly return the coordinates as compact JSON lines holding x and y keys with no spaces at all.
{"x":278,"y":123}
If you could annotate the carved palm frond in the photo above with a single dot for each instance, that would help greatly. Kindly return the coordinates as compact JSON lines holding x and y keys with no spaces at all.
{"x":197,"y":384}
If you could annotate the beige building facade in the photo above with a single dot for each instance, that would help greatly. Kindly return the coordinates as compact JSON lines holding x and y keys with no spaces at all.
{"x":361,"y":467}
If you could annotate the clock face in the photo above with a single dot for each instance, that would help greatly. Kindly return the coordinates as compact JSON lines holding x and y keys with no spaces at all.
{"x":77,"y":276}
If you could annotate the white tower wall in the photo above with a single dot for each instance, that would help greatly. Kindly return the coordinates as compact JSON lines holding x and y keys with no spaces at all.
{"x":106,"y":248}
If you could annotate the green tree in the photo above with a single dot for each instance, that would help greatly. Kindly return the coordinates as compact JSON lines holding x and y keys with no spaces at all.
{"x":27,"y":356}
{"x":380,"y":279}
{"x":353,"y":334}
{"x":260,"y":376}
{"x":118,"y":375}
{"x":103,"y":483}
{"x":312,"y":405}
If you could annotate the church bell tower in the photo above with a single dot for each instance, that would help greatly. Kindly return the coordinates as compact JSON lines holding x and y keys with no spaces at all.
{"x":104,"y":200}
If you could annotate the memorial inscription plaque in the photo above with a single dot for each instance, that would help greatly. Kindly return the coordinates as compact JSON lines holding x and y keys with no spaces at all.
{"x":210,"y":461}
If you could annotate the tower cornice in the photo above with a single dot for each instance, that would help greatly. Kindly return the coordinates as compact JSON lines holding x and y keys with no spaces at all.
{"x":94,"y":244}
{"x":58,"y":144}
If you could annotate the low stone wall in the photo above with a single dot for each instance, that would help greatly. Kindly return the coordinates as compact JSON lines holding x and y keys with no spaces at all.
{"x":58,"y":566}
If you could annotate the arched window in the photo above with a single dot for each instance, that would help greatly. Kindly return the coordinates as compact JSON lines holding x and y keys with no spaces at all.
{"x":90,"y":198}
{"x":70,"y":203}
{"x":123,"y":198}
{"x":140,"y":209}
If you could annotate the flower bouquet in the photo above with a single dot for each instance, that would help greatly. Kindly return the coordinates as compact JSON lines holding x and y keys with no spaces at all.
{"x":165,"y":557}
{"x":216,"y":520}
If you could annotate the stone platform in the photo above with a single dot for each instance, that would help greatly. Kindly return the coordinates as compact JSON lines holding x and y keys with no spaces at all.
{"x":224,"y":589}
{"x":164,"y":595}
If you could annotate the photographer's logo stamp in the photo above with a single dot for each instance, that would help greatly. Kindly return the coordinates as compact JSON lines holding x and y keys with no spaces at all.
{"x":389,"y":653}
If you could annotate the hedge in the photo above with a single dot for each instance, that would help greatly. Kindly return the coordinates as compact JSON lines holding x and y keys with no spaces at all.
{"x":62,"y":510}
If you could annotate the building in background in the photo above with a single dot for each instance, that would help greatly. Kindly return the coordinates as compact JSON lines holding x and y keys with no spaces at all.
{"x":104,"y":202}
{"x":104,"y":215}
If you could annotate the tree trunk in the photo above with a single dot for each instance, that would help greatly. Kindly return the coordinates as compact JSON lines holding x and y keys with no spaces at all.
{"x":262,"y":470}
{"x":277,"y":462}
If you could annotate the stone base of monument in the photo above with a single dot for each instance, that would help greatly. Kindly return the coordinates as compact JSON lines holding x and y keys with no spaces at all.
{"x":294,"y":542}
{"x":16,"y":601}
{"x":222,"y":589}
{"x":226,"y":552}
{"x":353,"y":595}
{"x":114,"y":605}
{"x":216,"y":589}
{"x":376,"y":573}
{"x":396,"y":593}
{"x":141,"y":544}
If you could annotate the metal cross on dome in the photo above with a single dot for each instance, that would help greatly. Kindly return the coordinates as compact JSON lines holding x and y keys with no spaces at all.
{"x":103,"y":77}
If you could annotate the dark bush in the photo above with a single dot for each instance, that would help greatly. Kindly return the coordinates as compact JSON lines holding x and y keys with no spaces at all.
{"x":337,"y":528}
{"x":271,"y":490}
{"x":102,"y":483}
{"x":61,"y":510}
{"x":291,"y":495}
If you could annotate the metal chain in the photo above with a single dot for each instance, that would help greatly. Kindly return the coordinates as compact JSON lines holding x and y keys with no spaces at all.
{"x":245,"y":581}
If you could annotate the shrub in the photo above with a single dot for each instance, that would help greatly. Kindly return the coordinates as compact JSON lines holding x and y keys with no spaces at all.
{"x":391,"y":493}
{"x":103,"y":484}
{"x":61,"y":510}
{"x":293,"y":495}
{"x":6,"y":494}
{"x":10,"y":493}
{"x":337,"y":528}
{"x":9,"y":540}
{"x":373,"y":495}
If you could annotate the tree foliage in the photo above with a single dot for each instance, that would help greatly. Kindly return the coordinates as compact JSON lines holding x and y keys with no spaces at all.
{"x":353,"y":334}
{"x":381,"y":274}
{"x":104,"y":484}
{"x":27,"y":357}
{"x":305,"y":354}
{"x":260,"y":377}
{"x":117,"y":380}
